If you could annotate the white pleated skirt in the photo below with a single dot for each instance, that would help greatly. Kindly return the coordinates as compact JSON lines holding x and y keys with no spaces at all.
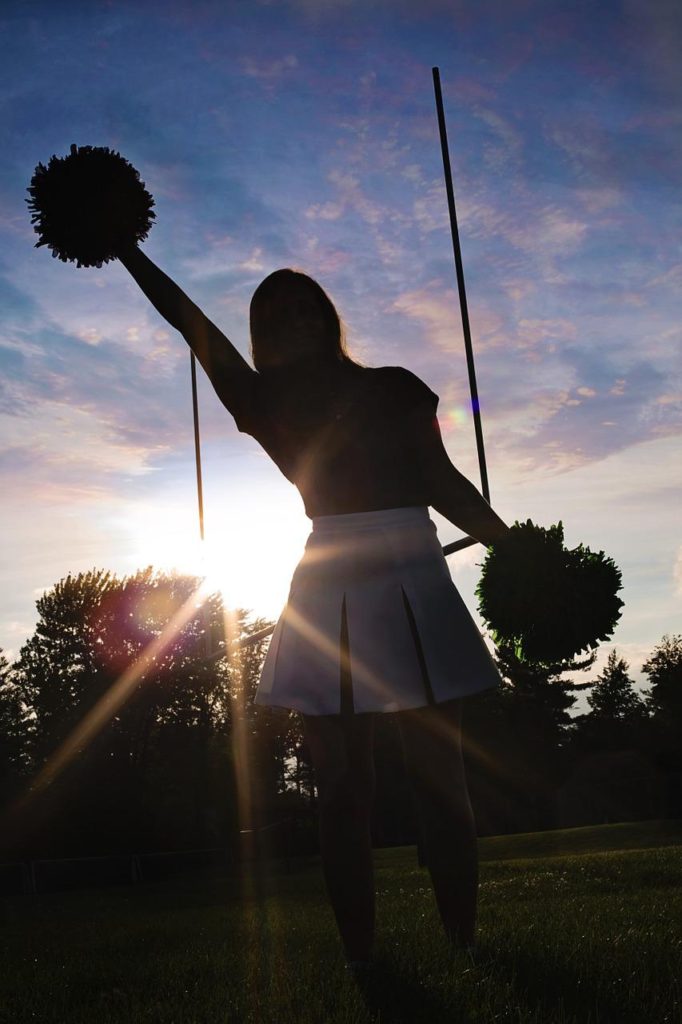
{"x":373,"y":622}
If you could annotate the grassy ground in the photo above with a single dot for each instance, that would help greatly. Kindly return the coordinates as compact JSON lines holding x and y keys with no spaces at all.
{"x":580,"y":926}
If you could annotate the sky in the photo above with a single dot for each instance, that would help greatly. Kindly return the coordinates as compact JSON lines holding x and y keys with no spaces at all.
{"x":303,"y":133}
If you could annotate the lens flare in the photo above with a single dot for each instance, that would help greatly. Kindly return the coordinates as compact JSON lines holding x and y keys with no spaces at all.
{"x":453,"y":419}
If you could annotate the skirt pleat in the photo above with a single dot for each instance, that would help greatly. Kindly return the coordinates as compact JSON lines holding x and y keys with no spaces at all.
{"x":373,"y":622}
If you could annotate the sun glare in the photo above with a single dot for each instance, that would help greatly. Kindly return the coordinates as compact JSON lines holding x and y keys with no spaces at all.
{"x":249,"y":552}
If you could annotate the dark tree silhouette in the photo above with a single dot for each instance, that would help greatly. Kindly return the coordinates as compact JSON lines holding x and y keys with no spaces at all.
{"x":187,"y":759}
{"x":161,"y":768}
{"x":517,"y":741}
{"x":618,"y":716}
{"x":12,"y":729}
{"x":614,"y":698}
{"x":57,"y":666}
{"x":664,"y":669}
{"x":612,"y":777}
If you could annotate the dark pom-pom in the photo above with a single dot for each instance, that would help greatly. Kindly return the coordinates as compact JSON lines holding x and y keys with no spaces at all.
{"x":86,"y":206}
{"x":548,"y":601}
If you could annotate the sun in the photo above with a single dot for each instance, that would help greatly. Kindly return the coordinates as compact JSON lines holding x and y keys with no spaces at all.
{"x":249,"y":553}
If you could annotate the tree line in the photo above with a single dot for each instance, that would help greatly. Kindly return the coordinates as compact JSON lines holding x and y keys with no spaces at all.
{"x":127,"y":723}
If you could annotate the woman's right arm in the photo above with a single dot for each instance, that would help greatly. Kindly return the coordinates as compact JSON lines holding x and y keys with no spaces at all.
{"x":224,"y":366}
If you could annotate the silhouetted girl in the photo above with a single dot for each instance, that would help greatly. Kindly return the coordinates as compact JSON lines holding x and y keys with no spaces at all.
{"x":373,"y":622}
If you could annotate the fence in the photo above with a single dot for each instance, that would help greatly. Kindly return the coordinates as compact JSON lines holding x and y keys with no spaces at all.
{"x":272,"y":844}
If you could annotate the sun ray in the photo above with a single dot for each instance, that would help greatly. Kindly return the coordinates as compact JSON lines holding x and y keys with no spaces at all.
{"x":330,"y":649}
{"x":115,"y":697}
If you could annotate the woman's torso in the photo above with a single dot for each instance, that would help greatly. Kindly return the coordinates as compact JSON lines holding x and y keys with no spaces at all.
{"x":343,"y":434}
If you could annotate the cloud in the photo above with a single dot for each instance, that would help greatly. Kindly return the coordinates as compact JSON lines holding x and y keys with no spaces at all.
{"x":505,"y":151}
{"x":620,"y":157}
{"x":576,"y":425}
{"x":268,"y":70}
{"x":533,"y":332}
{"x":325,"y":257}
{"x":436,"y":309}
{"x":553,"y":396}
{"x":540,"y":232}
{"x":352,"y":195}
{"x":20,"y":346}
{"x":19,"y":309}
{"x":518,"y":288}
{"x":597,"y":198}
{"x":413,"y":173}
{"x":671,"y":277}
{"x":254,"y":261}
{"x":72,"y":403}
{"x":73,"y":442}
{"x":324,"y":211}
{"x":430,"y":210}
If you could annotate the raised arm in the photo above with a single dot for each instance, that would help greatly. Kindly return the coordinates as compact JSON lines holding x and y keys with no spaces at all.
{"x":223,"y":364}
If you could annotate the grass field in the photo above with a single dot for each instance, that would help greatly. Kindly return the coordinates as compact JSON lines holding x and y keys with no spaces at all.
{"x":581,"y":926}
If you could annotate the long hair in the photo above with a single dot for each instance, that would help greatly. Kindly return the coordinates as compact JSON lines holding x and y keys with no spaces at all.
{"x":280,"y":305}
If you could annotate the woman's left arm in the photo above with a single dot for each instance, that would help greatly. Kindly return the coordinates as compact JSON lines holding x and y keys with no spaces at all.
{"x":224,"y":365}
{"x":450,"y":492}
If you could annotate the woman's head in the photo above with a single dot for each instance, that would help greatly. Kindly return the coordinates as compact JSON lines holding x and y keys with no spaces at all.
{"x":292,"y":318}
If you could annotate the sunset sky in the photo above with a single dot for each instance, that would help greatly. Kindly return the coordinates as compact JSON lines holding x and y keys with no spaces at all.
{"x":303,"y":133}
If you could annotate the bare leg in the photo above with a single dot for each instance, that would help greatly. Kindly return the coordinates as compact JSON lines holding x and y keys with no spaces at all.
{"x":342,"y":755}
{"x":432,"y":743}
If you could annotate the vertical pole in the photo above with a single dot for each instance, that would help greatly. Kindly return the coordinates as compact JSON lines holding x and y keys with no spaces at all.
{"x":197,"y":443}
{"x":200,"y":489}
{"x":460,"y":285}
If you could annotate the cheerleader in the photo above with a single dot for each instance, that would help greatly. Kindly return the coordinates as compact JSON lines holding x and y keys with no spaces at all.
{"x":373,"y":623}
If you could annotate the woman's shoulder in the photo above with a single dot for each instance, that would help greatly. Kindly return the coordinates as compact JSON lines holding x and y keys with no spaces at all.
{"x":406,"y":384}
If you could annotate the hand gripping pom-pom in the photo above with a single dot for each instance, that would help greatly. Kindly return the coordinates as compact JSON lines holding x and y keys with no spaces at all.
{"x":548,"y":601}
{"x":88,"y":205}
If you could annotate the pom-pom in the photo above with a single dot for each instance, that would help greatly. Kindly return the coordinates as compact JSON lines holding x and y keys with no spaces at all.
{"x":550,"y":602}
{"x":86,"y":206}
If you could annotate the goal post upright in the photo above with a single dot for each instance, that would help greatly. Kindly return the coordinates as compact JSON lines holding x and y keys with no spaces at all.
{"x":475,"y":406}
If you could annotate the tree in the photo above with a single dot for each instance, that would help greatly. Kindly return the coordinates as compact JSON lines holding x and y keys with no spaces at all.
{"x":664,"y":669}
{"x":614,"y":699}
{"x":132,"y":653}
{"x":615,"y":777}
{"x":544,"y":698}
{"x":618,"y":715}
{"x":517,"y":741}
{"x":12,"y":764}
{"x":57,"y":665}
